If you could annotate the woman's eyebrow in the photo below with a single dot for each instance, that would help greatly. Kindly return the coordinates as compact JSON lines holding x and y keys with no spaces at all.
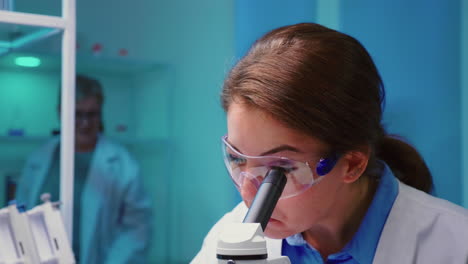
{"x":273,"y":150}
{"x":281,"y":148}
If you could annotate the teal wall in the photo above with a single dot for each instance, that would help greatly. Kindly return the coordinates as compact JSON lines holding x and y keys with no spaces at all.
{"x":39,"y":91}
{"x":196,"y":39}
{"x":255,"y":18}
{"x":416,"y":46}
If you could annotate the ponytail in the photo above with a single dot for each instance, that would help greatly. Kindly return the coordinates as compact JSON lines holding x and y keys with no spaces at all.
{"x":406,"y":163}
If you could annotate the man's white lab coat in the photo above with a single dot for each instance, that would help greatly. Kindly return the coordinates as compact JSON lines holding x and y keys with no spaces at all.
{"x":115,"y":212}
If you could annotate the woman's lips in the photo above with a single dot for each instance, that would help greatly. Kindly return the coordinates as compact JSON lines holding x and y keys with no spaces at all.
{"x":273,"y":221}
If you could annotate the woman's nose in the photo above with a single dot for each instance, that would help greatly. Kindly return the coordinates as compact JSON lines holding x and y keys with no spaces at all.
{"x":82,"y":122}
{"x":249,"y":187}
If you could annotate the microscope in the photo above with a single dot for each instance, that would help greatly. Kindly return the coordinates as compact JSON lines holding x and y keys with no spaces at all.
{"x":244,"y":243}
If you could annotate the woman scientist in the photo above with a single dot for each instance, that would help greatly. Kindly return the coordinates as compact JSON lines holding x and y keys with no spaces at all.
{"x":308,"y":98}
{"x":112,"y":214}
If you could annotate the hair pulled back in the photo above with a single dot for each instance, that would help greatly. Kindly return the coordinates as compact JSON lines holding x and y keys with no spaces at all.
{"x":323,"y":83}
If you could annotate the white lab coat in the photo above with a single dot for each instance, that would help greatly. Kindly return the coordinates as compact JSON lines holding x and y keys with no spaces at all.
{"x":115,"y":212}
{"x":420,"y":229}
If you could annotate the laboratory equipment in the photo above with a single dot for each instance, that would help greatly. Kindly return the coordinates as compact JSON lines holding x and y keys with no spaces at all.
{"x":245,"y":242}
{"x":36,"y":236}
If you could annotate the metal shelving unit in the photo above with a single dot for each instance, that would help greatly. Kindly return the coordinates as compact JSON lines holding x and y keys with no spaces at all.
{"x":67,"y":25}
{"x":464,"y":99}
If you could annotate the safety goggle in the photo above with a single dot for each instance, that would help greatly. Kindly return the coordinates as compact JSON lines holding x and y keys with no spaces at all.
{"x":249,"y":171}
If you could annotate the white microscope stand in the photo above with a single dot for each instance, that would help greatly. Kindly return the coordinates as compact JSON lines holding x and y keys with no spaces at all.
{"x":244,"y":243}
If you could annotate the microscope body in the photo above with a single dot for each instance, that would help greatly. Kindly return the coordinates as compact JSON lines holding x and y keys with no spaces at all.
{"x":244,"y":243}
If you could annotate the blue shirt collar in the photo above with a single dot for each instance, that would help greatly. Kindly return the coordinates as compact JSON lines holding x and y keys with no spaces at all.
{"x":364,"y":243}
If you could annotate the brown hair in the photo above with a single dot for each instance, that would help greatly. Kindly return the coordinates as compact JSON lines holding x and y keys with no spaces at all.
{"x":325,"y":84}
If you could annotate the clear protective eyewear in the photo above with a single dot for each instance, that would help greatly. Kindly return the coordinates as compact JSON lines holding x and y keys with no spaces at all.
{"x":251,"y":170}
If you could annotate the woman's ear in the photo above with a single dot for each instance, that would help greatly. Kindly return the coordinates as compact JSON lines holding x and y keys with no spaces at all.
{"x":356,"y":164}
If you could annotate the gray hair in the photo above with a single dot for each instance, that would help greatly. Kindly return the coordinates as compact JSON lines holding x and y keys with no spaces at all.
{"x":88,"y":87}
{"x":85,"y":87}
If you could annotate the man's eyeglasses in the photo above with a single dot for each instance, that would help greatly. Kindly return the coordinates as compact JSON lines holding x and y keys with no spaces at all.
{"x":87,"y":115}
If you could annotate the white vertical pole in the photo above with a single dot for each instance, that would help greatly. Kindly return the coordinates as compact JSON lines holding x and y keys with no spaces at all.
{"x":464,"y":99}
{"x":328,"y":13}
{"x":67,"y":146}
